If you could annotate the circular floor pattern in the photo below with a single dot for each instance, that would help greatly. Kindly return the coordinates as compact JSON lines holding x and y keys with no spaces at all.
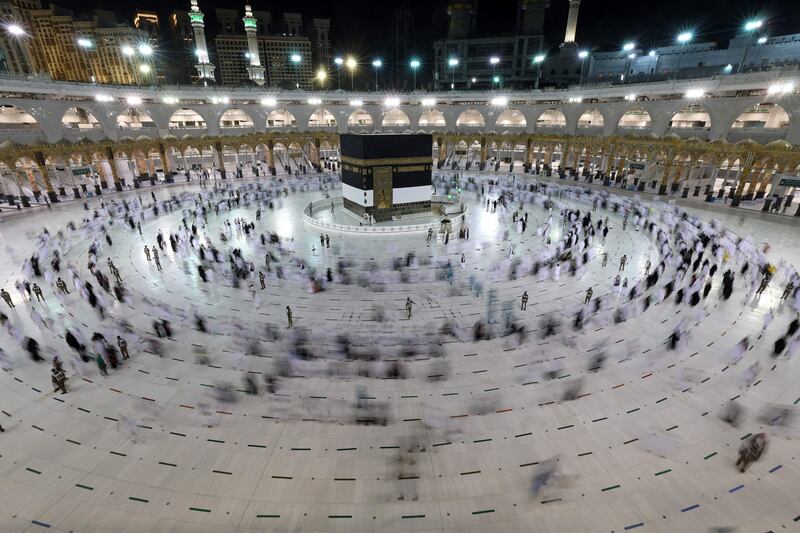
{"x":175,"y":443}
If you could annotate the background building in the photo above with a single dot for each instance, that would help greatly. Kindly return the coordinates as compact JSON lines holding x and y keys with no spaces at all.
{"x":473,"y":53}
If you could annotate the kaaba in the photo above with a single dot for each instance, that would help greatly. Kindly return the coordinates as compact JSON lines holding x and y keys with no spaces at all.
{"x":386,"y":175}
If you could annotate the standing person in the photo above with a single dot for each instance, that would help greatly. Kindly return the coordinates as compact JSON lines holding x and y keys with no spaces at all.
{"x":327,"y":241}
{"x":123,"y":347}
{"x":7,"y":297}
{"x":156,"y":260}
{"x":524,"y":305}
{"x":289,"y":316}
{"x":147,"y":253}
{"x":605,"y":258}
{"x":430,"y":234}
{"x":38,"y":292}
{"x":647,"y":268}
{"x":622,"y":261}
{"x":409,"y":304}
{"x":261,"y":279}
{"x":588,"y":298}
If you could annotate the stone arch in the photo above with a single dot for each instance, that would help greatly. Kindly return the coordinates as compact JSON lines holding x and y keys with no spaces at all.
{"x":281,"y":118}
{"x":12,"y":117}
{"x":432,"y":118}
{"x":765,"y":116}
{"x":691,"y":117}
{"x":591,"y":118}
{"x":132,"y":118}
{"x":551,"y":118}
{"x":470,"y":118}
{"x":235,"y":118}
{"x":321,"y":118}
{"x":511,"y":118}
{"x":187,"y":118}
{"x":80,"y":119}
{"x":637,"y":119}
{"x":360,"y":117}
{"x":395,"y":117}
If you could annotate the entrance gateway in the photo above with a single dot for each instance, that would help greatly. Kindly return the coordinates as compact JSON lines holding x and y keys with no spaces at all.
{"x":386,"y":176}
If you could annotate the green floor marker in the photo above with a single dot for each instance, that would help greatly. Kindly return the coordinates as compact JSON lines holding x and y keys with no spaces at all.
{"x":199,"y":509}
{"x":412,"y":516}
{"x":84,"y":486}
{"x":663,"y":472}
{"x":709,"y":456}
{"x":268,"y":516}
{"x":612,"y":487}
{"x":485,"y":511}
{"x":340,"y":516}
{"x":134,"y":498}
{"x":32,"y":470}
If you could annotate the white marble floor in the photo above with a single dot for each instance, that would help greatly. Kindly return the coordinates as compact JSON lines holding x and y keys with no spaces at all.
{"x":151,"y":448}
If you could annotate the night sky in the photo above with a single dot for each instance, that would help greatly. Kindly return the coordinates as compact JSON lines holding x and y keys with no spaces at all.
{"x":361,"y":27}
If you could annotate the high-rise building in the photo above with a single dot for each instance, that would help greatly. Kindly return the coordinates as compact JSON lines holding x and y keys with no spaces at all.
{"x":178,"y":50}
{"x":293,"y":24}
{"x":263,"y":21}
{"x":91,"y":50}
{"x":289,"y":61}
{"x":402,"y":43}
{"x":321,"y":40}
{"x":228,"y":21}
{"x":15,"y":55}
{"x":147,"y":21}
{"x":463,"y":59}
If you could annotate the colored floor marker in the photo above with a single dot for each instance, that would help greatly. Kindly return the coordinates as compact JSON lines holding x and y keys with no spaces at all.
{"x":199,"y":509}
{"x":32,"y":470}
{"x":775,"y":469}
{"x":43,"y":524}
{"x":268,"y":516}
{"x":405,"y":516}
{"x":663,"y":472}
{"x":690,"y":508}
{"x":612,"y":487}
{"x":134,"y":498}
{"x":736,"y":488}
{"x":633,"y":526}
{"x":85,"y":487}
{"x":340,"y":516}
{"x":485,"y":511}
{"x":709,"y":456}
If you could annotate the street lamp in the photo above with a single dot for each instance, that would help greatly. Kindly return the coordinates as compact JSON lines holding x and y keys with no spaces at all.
{"x":84,"y":43}
{"x":128,"y":50}
{"x":582,"y":55}
{"x":629,"y":46}
{"x":339,"y":62}
{"x":414,"y":66}
{"x":351,"y":64}
{"x":749,"y":28}
{"x":538,"y":59}
{"x":321,"y":77}
{"x":144,"y":68}
{"x":295,"y":58}
{"x":453,"y":63}
{"x":377,"y":63}
{"x":145,"y":49}
{"x":15,"y":30}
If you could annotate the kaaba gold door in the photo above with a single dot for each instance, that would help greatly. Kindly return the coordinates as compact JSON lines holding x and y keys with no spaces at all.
{"x":382,"y":187}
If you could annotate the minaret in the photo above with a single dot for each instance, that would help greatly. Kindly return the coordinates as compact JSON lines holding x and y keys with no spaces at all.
{"x":255,"y":70}
{"x":205,"y":70}
{"x":572,"y":21}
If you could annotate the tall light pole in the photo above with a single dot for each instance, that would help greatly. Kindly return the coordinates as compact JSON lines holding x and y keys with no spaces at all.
{"x":538,"y":59}
{"x":339,"y":62}
{"x":352,"y":64}
{"x":452,"y":63}
{"x":414,"y":66}
{"x":494,"y":60}
{"x":377,"y":63}
{"x":683,"y":38}
{"x":749,"y":28}
{"x":321,"y":77}
{"x":582,"y":55}
{"x":628,"y":47}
